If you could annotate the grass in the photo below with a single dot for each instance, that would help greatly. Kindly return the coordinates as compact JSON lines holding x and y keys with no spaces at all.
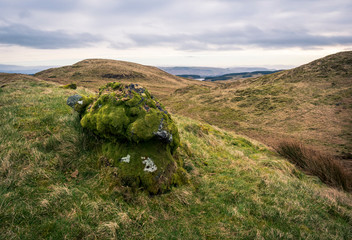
{"x":327,"y":168}
{"x":54,"y":183}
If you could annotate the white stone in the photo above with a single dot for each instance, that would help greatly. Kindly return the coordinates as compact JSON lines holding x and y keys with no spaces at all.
{"x":149,"y":165}
{"x":126,"y":159}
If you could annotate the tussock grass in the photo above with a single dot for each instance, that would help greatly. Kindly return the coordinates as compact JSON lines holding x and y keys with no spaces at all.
{"x":327,"y":168}
{"x":54,"y":183}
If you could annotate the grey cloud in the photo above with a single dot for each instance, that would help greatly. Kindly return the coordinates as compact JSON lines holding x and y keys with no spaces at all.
{"x":277,"y":38}
{"x":179,"y":24}
{"x":52,"y":5}
{"x":236,"y":39}
{"x":25,"y":36}
{"x":266,"y":24}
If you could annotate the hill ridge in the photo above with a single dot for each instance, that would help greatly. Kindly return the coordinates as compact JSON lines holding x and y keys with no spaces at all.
{"x":95,"y":72}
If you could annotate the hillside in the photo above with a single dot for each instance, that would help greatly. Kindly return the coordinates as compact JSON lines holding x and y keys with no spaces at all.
{"x":236,"y":76}
{"x":93,"y":73}
{"x":311,"y":103}
{"x":209,"y":71}
{"x":55,"y":183}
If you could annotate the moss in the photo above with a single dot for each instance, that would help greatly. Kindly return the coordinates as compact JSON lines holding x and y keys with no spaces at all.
{"x":133,"y":173}
{"x":128,"y":112}
{"x":82,"y":104}
{"x":69,"y":86}
{"x":134,"y":101}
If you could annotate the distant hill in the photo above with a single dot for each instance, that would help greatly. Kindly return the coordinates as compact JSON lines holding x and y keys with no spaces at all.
{"x":21,"y":69}
{"x":210,"y":71}
{"x":190,"y":76}
{"x":235,"y":76}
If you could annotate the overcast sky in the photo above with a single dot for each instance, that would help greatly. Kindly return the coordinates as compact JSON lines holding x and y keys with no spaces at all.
{"x":219,"y":33}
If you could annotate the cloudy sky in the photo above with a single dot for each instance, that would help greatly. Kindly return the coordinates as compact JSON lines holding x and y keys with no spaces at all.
{"x":219,"y":33}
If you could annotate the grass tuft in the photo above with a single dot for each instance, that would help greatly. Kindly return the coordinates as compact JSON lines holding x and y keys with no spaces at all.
{"x":326,"y":167}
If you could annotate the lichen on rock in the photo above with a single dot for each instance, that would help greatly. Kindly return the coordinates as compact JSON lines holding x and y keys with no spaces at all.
{"x":126,"y":159}
{"x":149,"y":164}
{"x":137,"y":130}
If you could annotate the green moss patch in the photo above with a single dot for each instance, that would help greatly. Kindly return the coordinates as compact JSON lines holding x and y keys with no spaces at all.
{"x":69,"y":86}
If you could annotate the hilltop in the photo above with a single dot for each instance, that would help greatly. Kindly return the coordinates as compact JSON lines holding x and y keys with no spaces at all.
{"x":93,"y":73}
{"x":55,"y":182}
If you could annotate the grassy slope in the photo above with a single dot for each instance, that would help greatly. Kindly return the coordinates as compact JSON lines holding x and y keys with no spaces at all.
{"x":312,"y":103}
{"x":54,"y":185}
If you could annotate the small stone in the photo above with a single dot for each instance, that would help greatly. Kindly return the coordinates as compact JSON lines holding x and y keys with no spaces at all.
{"x":164,"y":136}
{"x":72,"y":100}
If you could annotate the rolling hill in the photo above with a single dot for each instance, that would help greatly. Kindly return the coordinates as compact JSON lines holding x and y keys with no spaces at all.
{"x":311,"y":103}
{"x":94,"y":73}
{"x":209,"y":71}
{"x":236,"y":76}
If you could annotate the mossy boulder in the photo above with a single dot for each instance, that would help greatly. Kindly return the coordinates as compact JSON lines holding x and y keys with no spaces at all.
{"x":140,"y":135}
{"x":69,"y":86}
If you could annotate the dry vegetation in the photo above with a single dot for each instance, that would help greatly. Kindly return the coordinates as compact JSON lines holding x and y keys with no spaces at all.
{"x":327,"y":168}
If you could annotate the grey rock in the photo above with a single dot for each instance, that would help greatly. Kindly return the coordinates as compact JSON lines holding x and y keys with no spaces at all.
{"x":163,"y":135}
{"x":72,"y":100}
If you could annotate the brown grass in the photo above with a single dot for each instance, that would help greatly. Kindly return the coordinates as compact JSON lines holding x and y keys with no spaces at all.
{"x":327,"y":168}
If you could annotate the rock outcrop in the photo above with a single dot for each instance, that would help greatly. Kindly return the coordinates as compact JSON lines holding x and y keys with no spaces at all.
{"x":140,"y":135}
